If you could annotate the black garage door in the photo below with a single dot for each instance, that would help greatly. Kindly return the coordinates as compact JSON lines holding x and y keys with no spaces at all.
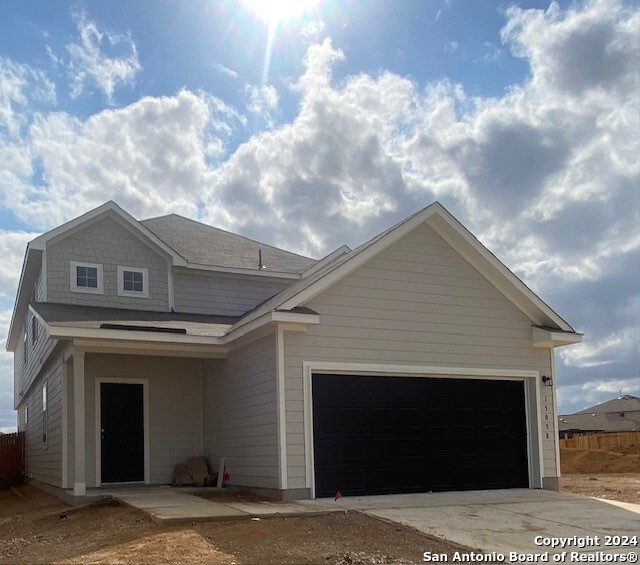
{"x":381,"y":435}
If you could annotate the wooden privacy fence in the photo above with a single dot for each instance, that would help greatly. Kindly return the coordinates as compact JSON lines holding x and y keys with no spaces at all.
{"x":601,"y":441}
{"x":12,"y":459}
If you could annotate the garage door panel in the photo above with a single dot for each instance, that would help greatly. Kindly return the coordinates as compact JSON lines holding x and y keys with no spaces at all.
{"x":375,"y":435}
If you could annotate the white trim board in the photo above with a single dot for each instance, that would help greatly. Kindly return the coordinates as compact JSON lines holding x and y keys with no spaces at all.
{"x":531,"y":380}
{"x":281,"y":409}
{"x":98,"y":443}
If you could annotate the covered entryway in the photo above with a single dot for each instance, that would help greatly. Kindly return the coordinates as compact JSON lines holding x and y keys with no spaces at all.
{"x":122,"y":432}
{"x":395,"y":434}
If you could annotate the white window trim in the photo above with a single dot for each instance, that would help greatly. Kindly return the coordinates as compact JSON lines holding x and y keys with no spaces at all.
{"x":73,"y":281}
{"x":133,"y":293}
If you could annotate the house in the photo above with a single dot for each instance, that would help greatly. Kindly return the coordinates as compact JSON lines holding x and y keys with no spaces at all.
{"x":621,"y":414}
{"x":415,"y":362}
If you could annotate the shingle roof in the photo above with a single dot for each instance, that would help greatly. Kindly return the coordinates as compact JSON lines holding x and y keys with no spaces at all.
{"x":297,"y":287}
{"x":71,"y":315}
{"x":600,"y":422}
{"x":206,"y":245}
{"x":626,"y":403}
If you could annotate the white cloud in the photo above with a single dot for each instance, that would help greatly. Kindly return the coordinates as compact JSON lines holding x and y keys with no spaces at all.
{"x":592,"y":353}
{"x":262,"y":101}
{"x":20,"y":86}
{"x":219,"y":67}
{"x":313,"y":30}
{"x":12,"y":248}
{"x":578,"y":397}
{"x":89,"y":64}
{"x":149,"y":156}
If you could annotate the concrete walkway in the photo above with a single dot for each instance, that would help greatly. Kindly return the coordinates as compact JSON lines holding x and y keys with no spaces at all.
{"x":506,"y":521}
{"x":171,"y":506}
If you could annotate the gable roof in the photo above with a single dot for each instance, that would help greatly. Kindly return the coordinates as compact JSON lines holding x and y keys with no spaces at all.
{"x":454,"y":233}
{"x":205,"y":245}
{"x":35,"y":248}
{"x":626,"y":403}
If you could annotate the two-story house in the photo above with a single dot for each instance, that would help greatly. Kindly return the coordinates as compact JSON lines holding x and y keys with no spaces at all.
{"x":415,"y":362}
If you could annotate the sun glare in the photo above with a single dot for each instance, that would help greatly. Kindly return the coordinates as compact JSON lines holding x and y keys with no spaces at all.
{"x":274,"y":11}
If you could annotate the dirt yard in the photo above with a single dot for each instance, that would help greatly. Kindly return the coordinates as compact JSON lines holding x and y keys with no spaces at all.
{"x":622,"y":459}
{"x":624,"y":487}
{"x":38,"y":528}
{"x":613,"y":474}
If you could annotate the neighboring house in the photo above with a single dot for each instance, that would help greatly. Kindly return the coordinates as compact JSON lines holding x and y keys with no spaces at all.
{"x":621,"y":414}
{"x":416,"y":362}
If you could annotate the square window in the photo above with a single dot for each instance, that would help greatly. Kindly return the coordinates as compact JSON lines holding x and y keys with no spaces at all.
{"x":87,"y":277}
{"x":133,"y":281}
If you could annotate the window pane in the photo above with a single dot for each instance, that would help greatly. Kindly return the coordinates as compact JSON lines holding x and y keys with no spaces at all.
{"x":132,"y":280}
{"x":87,"y":277}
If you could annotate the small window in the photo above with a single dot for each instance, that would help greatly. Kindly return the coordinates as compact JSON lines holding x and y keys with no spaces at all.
{"x":26,"y":415}
{"x":133,"y":281}
{"x":45,"y":414}
{"x":86,"y":277}
{"x":34,"y":329}
{"x":25,"y":346}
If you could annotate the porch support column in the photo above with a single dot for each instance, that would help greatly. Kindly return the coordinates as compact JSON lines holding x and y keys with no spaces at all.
{"x":79,"y":481}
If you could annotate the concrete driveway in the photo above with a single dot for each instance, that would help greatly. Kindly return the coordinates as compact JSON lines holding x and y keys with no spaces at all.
{"x":528,"y":522}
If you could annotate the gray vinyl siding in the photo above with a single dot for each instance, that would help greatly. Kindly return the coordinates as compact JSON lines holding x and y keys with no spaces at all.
{"x":175,"y":408}
{"x":44,"y":464}
{"x":109,"y":243}
{"x":240,"y":414}
{"x":205,"y":292}
{"x":37,"y":353}
{"x":416,"y":303}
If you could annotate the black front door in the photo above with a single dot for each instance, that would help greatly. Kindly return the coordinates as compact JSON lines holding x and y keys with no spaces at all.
{"x":122,"y":432}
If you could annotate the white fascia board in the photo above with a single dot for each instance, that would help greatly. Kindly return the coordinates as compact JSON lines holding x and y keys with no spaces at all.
{"x":543,"y":337}
{"x":326,"y":260}
{"x":67,"y":332}
{"x":485,"y":262}
{"x":239,"y":271}
{"x":293,"y":320}
{"x":350,"y":265}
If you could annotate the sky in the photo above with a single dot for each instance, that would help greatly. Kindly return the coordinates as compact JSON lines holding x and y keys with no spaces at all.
{"x":319,"y":123}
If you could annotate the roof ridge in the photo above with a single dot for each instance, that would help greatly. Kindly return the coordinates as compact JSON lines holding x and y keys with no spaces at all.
{"x":230,"y":233}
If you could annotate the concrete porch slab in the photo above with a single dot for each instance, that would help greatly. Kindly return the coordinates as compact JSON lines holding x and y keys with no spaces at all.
{"x":168,"y":506}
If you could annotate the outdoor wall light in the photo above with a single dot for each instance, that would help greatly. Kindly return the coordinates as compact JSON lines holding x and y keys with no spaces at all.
{"x":546,"y":381}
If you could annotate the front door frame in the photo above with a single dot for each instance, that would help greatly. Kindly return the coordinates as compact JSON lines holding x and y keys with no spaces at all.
{"x":531,"y":380}
{"x":98,"y":422}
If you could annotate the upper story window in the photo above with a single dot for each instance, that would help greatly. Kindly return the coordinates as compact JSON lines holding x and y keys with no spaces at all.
{"x":25,"y":345}
{"x":133,"y":281}
{"x":86,"y":277}
{"x":34,"y":330}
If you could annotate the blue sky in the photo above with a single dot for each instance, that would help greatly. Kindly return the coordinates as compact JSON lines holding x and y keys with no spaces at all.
{"x":521,"y":118}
